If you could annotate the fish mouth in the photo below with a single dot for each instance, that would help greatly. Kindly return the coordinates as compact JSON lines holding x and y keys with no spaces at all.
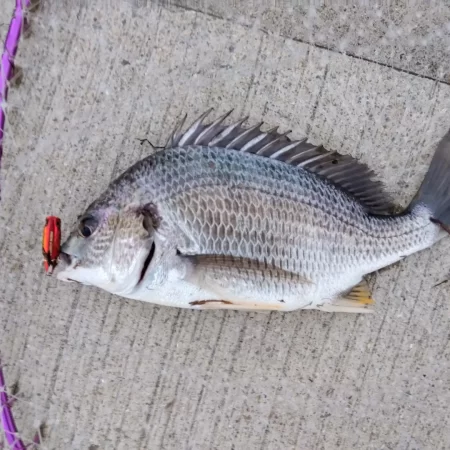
{"x":66,"y":262}
{"x":147,"y":262}
{"x":65,"y":258}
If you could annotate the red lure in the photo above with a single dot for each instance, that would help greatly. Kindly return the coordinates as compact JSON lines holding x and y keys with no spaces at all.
{"x":51,"y":241}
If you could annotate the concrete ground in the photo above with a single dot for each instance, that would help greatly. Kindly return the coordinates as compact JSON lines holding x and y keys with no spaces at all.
{"x":106,"y":373}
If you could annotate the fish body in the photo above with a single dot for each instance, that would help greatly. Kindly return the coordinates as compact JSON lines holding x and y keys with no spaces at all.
{"x":234,"y":218}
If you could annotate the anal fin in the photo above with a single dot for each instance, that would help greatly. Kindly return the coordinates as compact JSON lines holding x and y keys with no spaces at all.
{"x":358,"y":300}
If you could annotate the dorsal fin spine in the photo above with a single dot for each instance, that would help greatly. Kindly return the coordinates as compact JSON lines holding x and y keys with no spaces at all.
{"x":345,"y":172}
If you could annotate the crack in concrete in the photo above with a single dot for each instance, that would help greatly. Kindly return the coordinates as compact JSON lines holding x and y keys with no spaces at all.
{"x":312,"y":44}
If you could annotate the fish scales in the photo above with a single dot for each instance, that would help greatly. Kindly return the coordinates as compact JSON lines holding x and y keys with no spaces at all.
{"x":226,"y":203}
{"x":280,"y":236}
{"x":184,"y":179}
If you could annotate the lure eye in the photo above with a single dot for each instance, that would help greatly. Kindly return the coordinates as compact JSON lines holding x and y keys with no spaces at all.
{"x":87,"y":226}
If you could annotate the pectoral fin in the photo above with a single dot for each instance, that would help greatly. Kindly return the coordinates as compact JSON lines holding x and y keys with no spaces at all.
{"x":241,"y":283}
{"x":231,"y":266}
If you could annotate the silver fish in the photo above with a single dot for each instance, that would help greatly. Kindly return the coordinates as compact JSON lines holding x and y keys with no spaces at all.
{"x":236,"y":218}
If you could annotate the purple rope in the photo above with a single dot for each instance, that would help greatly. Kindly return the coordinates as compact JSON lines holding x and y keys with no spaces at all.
{"x":9,"y":426}
{"x":16,"y":26}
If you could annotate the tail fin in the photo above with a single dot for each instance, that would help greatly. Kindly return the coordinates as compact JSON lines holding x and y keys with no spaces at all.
{"x":435,"y":190}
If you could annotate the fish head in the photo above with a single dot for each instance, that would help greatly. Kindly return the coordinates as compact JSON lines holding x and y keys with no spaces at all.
{"x":109,"y":248}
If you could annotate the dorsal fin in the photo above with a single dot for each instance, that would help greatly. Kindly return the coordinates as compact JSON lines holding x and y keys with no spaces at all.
{"x":343,"y":171}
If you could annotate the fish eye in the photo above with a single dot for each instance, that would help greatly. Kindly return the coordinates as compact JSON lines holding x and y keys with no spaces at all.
{"x":87,"y":226}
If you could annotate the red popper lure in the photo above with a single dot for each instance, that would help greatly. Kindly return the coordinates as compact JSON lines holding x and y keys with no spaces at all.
{"x":51,"y":242}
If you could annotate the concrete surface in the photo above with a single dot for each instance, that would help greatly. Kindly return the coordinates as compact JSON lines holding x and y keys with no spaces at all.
{"x":106,"y":373}
{"x":410,"y":35}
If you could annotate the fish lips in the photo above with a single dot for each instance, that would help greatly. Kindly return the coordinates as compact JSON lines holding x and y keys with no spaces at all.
{"x":66,"y":264}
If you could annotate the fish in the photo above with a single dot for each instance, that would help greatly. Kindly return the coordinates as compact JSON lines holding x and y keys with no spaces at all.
{"x":228,"y":216}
